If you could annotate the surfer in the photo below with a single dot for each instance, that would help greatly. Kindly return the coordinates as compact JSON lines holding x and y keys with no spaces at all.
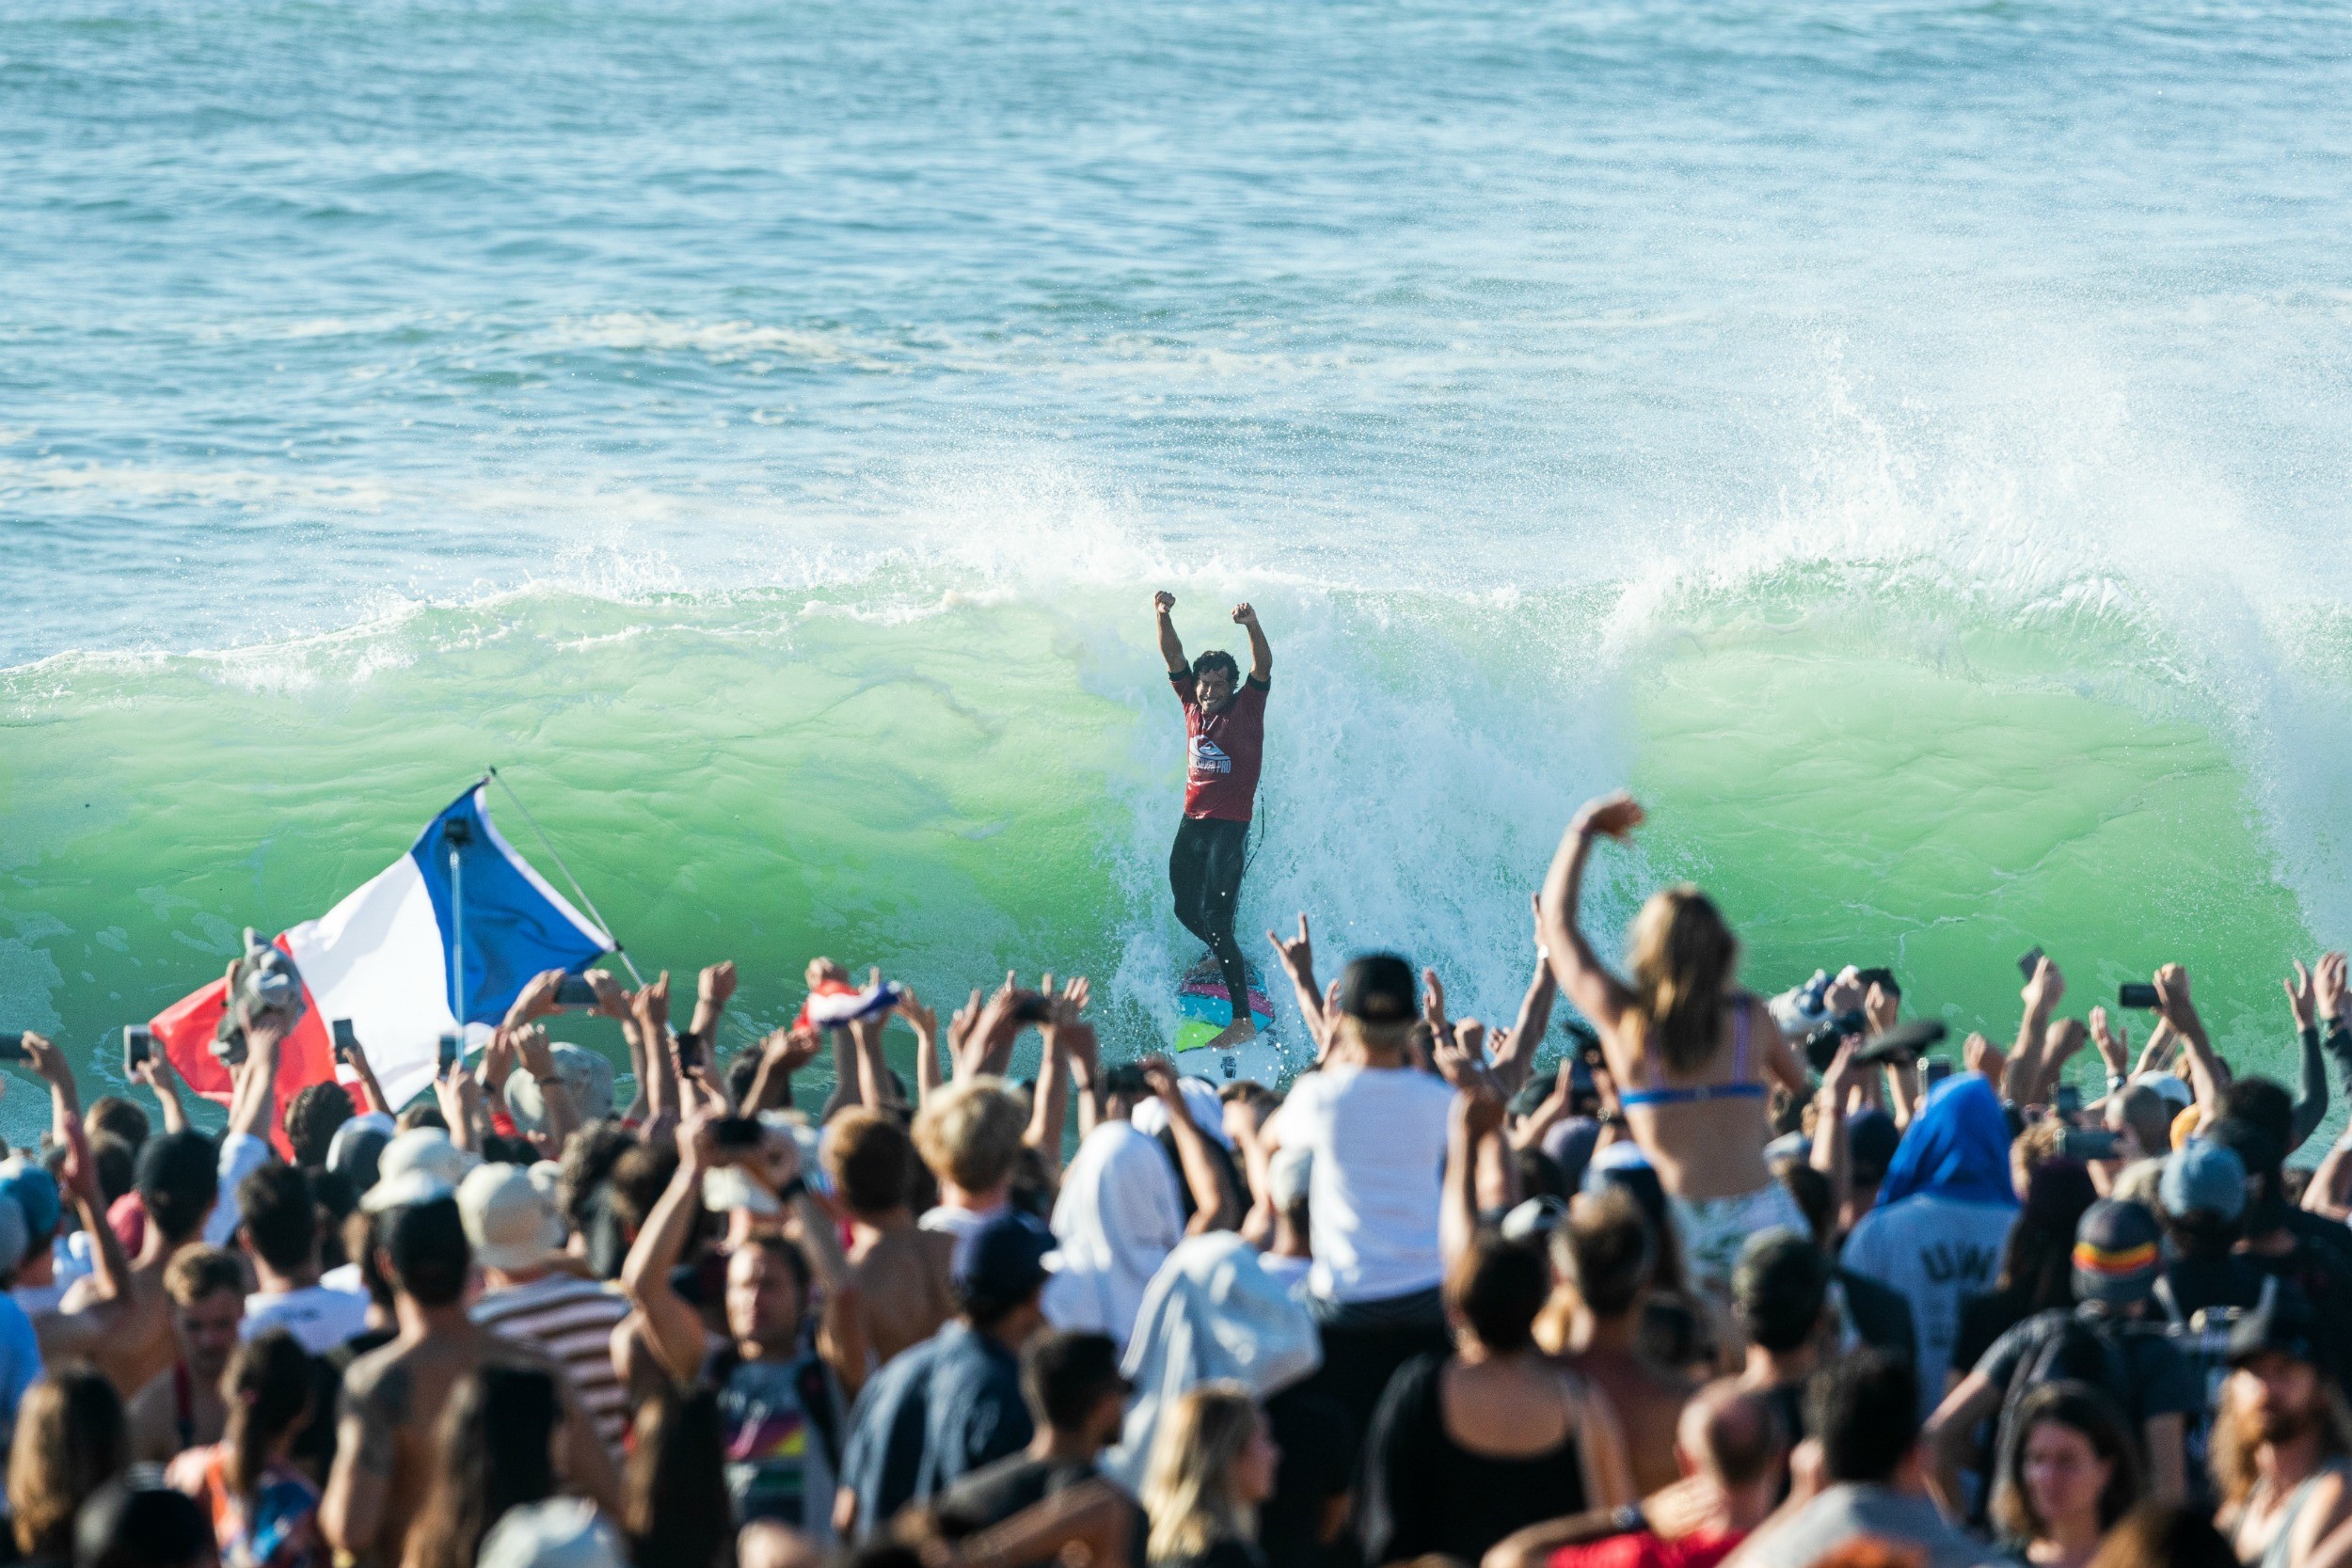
{"x":1225,"y":730}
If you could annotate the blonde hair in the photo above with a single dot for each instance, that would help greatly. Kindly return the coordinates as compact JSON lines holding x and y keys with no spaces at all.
{"x":2232,"y":1459}
{"x":1188,"y":1484}
{"x":970,"y":1134}
{"x":71,"y":1438}
{"x":1683,"y":956}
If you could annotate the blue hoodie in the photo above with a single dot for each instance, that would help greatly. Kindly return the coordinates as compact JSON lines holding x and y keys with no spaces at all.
{"x":1943,"y":1218}
{"x":1955,"y":1147}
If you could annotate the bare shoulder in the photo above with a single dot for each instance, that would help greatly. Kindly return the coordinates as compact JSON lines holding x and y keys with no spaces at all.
{"x":382,"y":1384}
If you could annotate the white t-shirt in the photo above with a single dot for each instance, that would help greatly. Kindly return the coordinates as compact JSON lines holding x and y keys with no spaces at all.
{"x":958,"y":1223}
{"x":321,"y":1318}
{"x":1933,"y":1251}
{"x":1378,"y":1139}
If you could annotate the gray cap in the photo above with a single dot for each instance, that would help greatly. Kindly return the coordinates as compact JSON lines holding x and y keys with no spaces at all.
{"x":587,"y":1075}
{"x":2202,"y":1176}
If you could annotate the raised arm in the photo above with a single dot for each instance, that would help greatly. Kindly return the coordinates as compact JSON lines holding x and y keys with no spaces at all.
{"x":562,"y":1116}
{"x":781,"y":1055}
{"x":672,"y":1328}
{"x":2206,"y":1074}
{"x":1260,"y":655}
{"x":1210,"y":1209}
{"x":2024,"y":1069}
{"x":1298,"y":963}
{"x":157,"y":1073}
{"x":1516,"y":1059}
{"x":1172,"y":645}
{"x":1599,"y":995}
{"x":2310,"y":1095}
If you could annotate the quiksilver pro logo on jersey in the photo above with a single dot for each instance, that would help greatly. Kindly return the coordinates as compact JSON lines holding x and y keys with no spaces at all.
{"x":1209,"y":757}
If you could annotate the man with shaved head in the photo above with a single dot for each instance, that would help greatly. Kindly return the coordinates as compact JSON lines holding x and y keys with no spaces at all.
{"x":1731,"y":1449}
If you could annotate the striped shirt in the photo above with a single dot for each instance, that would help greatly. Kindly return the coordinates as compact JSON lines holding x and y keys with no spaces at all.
{"x":571,"y":1320}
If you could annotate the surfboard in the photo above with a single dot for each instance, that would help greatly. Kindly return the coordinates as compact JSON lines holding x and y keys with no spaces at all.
{"x":1201,"y":998}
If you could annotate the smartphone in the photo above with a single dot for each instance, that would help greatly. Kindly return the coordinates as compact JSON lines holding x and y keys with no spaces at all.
{"x":738,"y":1132}
{"x":12,"y":1049}
{"x":2068,"y":1101}
{"x":2030,"y":960}
{"x":689,"y":1049}
{"x":2137,"y":994}
{"x":139,"y":1044}
{"x":449,"y":1054}
{"x":2088,"y":1143}
{"x":574,"y":991}
{"x":1938,"y":1069}
{"x":1031,"y":1007}
{"x":347,"y":1040}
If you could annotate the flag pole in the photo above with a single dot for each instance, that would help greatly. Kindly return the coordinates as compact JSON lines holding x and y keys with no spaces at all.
{"x":593,"y":913}
{"x":455,"y":835}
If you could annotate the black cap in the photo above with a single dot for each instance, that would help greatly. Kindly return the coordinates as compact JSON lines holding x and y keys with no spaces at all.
{"x":1379,"y":988}
{"x":2286,"y":1327}
{"x":1001,"y":1264}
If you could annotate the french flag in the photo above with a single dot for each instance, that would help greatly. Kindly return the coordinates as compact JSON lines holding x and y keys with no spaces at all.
{"x":384,"y":958}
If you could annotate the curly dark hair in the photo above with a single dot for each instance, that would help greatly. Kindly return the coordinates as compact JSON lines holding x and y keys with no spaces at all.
{"x":312,"y":1118}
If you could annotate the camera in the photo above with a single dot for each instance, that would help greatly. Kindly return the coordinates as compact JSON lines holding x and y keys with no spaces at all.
{"x":1820,"y":1047}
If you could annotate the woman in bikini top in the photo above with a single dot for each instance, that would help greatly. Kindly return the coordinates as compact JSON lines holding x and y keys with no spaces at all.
{"x":1703,"y":1128}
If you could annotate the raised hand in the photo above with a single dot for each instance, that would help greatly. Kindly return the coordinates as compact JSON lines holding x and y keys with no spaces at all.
{"x":1881,"y":1007}
{"x":715,"y":986}
{"x":923,"y":1020}
{"x":1163,"y":601}
{"x":2045,"y":989}
{"x":1298,"y":955}
{"x":2172,"y":999}
{"x":536,"y":999}
{"x":2114,"y":1042}
{"x":791,"y":1050}
{"x":653,"y":1005}
{"x":538,"y":1056}
{"x":2300,"y":998}
{"x":1978,"y":1054}
{"x":1433,"y":1004}
{"x":613,"y":998}
{"x":1471,"y":1036}
{"x":1245,"y":616}
{"x":2328,"y":987}
{"x":820,"y":969}
{"x":1612,"y":816}
{"x":1845,"y":993}
{"x":1477,"y":1109}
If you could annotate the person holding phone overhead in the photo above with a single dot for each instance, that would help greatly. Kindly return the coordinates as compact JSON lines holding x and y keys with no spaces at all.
{"x":1225,"y":743}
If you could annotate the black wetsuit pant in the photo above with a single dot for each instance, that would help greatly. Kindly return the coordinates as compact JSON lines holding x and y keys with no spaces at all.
{"x":1204,"y":872}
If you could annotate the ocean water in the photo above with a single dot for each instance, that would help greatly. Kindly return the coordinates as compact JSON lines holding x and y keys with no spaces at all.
{"x":1906,"y":442}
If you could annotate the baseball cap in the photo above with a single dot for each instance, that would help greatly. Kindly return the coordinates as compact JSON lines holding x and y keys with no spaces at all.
{"x":560,"y":1532}
{"x":2169,"y":1086}
{"x":1378,"y":987}
{"x":2117,"y":1254}
{"x":356,"y":1151}
{"x":2204,"y":1175}
{"x":508,"y":1219}
{"x":417,"y":1167}
{"x":1535,"y":1219}
{"x":587,"y":1075}
{"x":1001,"y":1263}
{"x":2286,"y":1327}
{"x":35,"y":1190}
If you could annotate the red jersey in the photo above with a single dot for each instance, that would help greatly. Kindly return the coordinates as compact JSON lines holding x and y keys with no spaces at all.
{"x":1223,"y":749}
{"x":1646,"y":1550}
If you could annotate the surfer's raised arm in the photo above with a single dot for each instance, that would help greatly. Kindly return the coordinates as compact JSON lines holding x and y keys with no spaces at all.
{"x":1172,"y":645}
{"x":1260,"y":655}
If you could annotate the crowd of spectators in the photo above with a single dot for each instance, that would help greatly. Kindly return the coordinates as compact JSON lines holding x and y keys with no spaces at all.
{"x":1703,"y":1276}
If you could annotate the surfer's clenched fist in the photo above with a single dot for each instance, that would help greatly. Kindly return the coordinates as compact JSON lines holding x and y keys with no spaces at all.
{"x":1163,"y":601}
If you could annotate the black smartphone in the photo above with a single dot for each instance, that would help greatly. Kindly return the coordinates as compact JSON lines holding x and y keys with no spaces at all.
{"x":2137,"y":994}
{"x":2088,"y":1143}
{"x":347,"y":1040}
{"x":574,"y":991}
{"x":1030,"y":1006}
{"x":449,"y":1054}
{"x":2028,"y":961}
{"x":1938,"y":1069}
{"x":738,"y":1132}
{"x":12,"y":1049}
{"x":690,"y":1050}
{"x":2068,"y":1101}
{"x":139,"y":1044}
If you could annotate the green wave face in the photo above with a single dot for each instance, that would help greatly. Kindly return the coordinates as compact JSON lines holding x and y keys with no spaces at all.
{"x":947,"y":783}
